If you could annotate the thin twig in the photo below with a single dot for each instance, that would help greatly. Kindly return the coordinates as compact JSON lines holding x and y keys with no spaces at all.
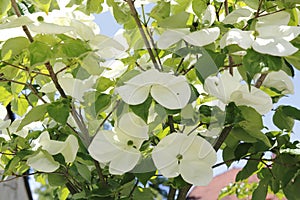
{"x":142,"y":32}
{"x":109,"y":114}
{"x":226,"y":7}
{"x":133,"y":188}
{"x":100,"y":174}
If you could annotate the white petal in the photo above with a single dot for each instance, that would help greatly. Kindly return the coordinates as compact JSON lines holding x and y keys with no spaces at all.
{"x":279,"y":18}
{"x":285,"y":32}
{"x":197,"y":148}
{"x":102,"y":149}
{"x":173,"y":95}
{"x":238,"y":15}
{"x":195,"y":172}
{"x":75,"y":87}
{"x":281,"y":81}
{"x":124,"y":162}
{"x":274,"y":46}
{"x":48,"y":88}
{"x":244,"y":39}
{"x":106,"y":46}
{"x":170,"y":37}
{"x":164,"y":154}
{"x":52,"y":146}
{"x":3,"y":112}
{"x":151,"y":77}
{"x":71,"y":147}
{"x":132,"y":94}
{"x":4,"y":124}
{"x":203,"y":37}
{"x":133,"y":126}
{"x":83,"y":30}
{"x":115,"y":69}
{"x":14,"y":22}
{"x":171,"y":170}
{"x":222,"y":87}
{"x":48,"y":28}
{"x":209,"y":15}
{"x":43,"y":162}
{"x":257,"y":99}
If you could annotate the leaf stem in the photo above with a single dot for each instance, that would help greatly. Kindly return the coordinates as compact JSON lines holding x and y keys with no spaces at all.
{"x":172,"y":193}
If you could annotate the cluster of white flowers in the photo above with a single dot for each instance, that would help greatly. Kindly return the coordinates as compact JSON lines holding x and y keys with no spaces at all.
{"x":190,"y":156}
{"x":273,"y":35}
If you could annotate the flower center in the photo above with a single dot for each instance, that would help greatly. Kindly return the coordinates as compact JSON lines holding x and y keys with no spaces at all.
{"x":179,"y":158}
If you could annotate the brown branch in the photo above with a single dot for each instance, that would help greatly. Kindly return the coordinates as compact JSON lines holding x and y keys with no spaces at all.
{"x":24,"y":68}
{"x":171,"y":124}
{"x":172,"y":193}
{"x":260,"y":80}
{"x":18,"y":13}
{"x":100,"y":174}
{"x":142,"y":32}
{"x":226,"y":7}
{"x":258,"y":9}
{"x":183,"y":192}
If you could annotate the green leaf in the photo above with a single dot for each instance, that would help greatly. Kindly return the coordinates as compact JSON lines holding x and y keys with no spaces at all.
{"x":39,"y":53}
{"x":175,"y":21}
{"x":73,"y":48}
{"x":103,"y":84}
{"x":253,"y":119}
{"x":205,"y":66}
{"x":13,"y":47}
{"x":59,"y":110}
{"x":282,"y":173}
{"x":291,"y":191}
{"x":56,"y":179}
{"x":283,"y":121}
{"x":254,"y":62}
{"x":35,"y":114}
{"x":84,"y":171}
{"x":142,"y":110}
{"x":5,"y":5}
{"x":199,"y":6}
{"x":161,"y":10}
{"x":43,"y":5}
{"x":228,"y":154}
{"x":94,"y":6}
{"x":261,"y":191}
{"x":294,"y":59}
{"x":242,"y":150}
{"x":250,"y":168}
{"x":291,"y":112}
{"x":145,"y":177}
{"x":19,"y":105}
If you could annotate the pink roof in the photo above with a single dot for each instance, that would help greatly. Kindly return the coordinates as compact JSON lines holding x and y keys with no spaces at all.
{"x":211,"y":192}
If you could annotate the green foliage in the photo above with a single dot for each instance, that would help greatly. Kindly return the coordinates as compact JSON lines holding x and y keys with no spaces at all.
{"x":59,"y":110}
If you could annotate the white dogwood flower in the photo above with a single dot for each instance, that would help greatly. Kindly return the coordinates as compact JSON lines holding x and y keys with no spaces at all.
{"x":198,"y":38}
{"x":172,"y":92}
{"x":120,"y":148}
{"x":280,"y":81}
{"x":190,"y":156}
{"x":273,"y":36}
{"x":229,"y":88}
{"x":68,"y":148}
